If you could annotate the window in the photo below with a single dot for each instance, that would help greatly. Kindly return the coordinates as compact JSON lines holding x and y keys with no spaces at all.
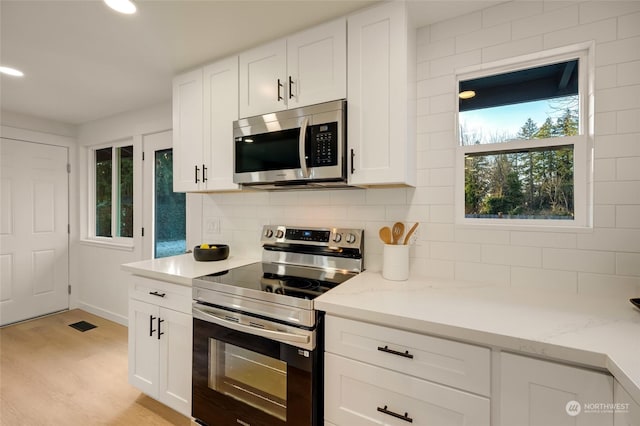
{"x":113,"y":192}
{"x":522,"y":144}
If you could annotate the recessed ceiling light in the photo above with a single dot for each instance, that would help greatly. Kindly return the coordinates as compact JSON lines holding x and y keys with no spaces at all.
{"x":11,"y":71}
{"x":122,"y":6}
{"x":467,"y":94}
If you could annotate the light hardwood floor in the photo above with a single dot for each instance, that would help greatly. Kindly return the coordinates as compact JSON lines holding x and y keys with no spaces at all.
{"x":52,"y":374}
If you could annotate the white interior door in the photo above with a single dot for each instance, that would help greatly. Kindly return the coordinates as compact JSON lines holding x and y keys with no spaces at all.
{"x":164,"y":211}
{"x":34,"y":238}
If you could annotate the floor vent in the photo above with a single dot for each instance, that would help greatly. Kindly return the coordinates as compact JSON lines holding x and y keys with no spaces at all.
{"x":82,"y":326}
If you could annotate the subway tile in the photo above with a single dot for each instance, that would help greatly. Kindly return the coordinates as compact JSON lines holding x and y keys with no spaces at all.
{"x":440,"y":158}
{"x":604,"y":169}
{"x":547,"y":280}
{"x":510,"y":11}
{"x":365,"y":213}
{"x":618,"y":98}
{"x":629,"y":25}
{"x":456,"y":26}
{"x":628,"y":264}
{"x":422,"y":71}
{"x":422,"y":35}
{"x":482,"y":272}
{"x":484,"y":236}
{"x":483,"y":38}
{"x":436,"y":122}
{"x":604,"y":216}
{"x":437,"y":49}
{"x":628,"y":168}
{"x":512,"y":48}
{"x":545,"y":23}
{"x":615,"y":146}
{"x":465,"y":252}
{"x":407,"y":213}
{"x":600,"y":32}
{"x":441,"y":214}
{"x":606,"y":77}
{"x":579,"y":260}
{"x":623,"y":193}
{"x":597,"y":285}
{"x":436,"y":232}
{"x":384,"y":196}
{"x":628,"y":216}
{"x":449,"y":64}
{"x":422,"y":178}
{"x":442,"y":177}
{"x":598,"y":10}
{"x":432,"y":195}
{"x":611,"y":239}
{"x":512,"y":255}
{"x":442,"y":140}
{"x":432,"y":268}
{"x":628,"y":121}
{"x":348,"y":197}
{"x":605,"y":123}
{"x":283,"y":198}
{"x":550,"y":6}
{"x":443,"y":103}
{"x":436,"y":86}
{"x":422,"y":141}
{"x":628,"y":72}
{"x":543,"y":239}
{"x":614,"y":52}
{"x":423,"y":107}
{"x":314,"y":198}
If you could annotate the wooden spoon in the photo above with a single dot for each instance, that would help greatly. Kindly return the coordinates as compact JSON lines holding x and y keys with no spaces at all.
{"x":397,"y":231}
{"x":385,"y":235}
{"x":410,"y":233}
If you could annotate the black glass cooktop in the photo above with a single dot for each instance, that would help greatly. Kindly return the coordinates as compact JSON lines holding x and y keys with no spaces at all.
{"x":288,"y":280}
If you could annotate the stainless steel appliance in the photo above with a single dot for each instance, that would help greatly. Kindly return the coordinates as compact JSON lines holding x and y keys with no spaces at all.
{"x":297,"y":148}
{"x":257,"y":339}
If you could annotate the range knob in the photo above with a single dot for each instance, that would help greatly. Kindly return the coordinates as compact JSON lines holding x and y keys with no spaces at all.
{"x":279,"y":233}
{"x":337,"y":238}
{"x":268,"y":233}
{"x":351,"y":238}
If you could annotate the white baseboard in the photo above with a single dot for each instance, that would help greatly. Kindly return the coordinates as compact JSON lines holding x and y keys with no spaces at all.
{"x":111,"y":316}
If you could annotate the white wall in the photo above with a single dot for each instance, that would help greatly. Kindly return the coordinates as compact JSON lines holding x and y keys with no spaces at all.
{"x":602,"y":261}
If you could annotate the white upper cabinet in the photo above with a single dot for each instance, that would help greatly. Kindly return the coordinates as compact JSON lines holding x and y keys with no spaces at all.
{"x":205,"y":104}
{"x":304,"y":69}
{"x":381,"y":103}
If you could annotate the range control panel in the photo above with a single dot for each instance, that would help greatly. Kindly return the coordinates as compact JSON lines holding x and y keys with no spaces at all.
{"x":325,"y":237}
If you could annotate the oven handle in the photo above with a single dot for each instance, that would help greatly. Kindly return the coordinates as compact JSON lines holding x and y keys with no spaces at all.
{"x":276,"y":335}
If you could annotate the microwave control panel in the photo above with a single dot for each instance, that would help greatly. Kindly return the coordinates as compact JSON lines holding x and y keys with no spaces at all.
{"x":323,"y":145}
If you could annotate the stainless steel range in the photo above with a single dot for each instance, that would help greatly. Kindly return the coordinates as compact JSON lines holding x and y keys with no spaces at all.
{"x":258,"y":341}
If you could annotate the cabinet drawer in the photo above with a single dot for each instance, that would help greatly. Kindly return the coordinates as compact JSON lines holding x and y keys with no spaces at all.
{"x":443,"y":361}
{"x":358,"y":394}
{"x":173,"y":296}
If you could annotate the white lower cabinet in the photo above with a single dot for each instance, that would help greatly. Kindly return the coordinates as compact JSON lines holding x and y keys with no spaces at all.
{"x":534,"y":392}
{"x":160,"y":346}
{"x":376,"y":375}
{"x":626,"y":410}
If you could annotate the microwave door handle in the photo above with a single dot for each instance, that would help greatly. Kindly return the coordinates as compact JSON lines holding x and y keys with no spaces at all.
{"x":269,"y":334}
{"x":301,"y":148}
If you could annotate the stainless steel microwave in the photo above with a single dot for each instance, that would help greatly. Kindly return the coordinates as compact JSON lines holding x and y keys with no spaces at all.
{"x":297,"y":148}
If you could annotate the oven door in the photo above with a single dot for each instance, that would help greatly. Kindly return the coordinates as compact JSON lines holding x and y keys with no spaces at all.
{"x":244,"y":379}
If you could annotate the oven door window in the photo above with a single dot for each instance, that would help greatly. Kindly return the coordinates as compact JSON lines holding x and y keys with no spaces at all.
{"x":252,"y":378}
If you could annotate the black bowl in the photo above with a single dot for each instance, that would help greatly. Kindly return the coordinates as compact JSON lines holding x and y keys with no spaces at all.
{"x":220,"y":252}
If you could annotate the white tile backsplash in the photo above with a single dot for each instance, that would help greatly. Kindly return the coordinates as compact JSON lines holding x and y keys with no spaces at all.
{"x":601,"y":261}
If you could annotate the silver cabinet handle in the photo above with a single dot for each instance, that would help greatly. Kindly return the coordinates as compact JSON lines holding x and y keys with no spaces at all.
{"x":270,"y":334}
{"x":301,"y":148}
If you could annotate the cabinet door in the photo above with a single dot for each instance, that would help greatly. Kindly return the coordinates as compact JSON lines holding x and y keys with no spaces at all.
{"x":175,"y":360}
{"x":263,"y":79}
{"x":542,"y":393}
{"x":187,"y":131}
{"x":381,"y":96}
{"x":359,"y":394}
{"x":220,"y":110}
{"x":317,"y":65}
{"x":143,"y":346}
{"x":627,"y":411}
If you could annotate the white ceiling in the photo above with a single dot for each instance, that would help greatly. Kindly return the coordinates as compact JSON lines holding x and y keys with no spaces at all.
{"x":82,"y":61}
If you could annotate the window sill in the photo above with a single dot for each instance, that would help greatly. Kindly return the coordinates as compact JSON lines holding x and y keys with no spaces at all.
{"x":107,"y":244}
{"x":523,"y":227}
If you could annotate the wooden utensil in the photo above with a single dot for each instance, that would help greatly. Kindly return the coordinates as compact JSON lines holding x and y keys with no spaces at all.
{"x":397,"y":231}
{"x":410,"y":233}
{"x":385,"y":235}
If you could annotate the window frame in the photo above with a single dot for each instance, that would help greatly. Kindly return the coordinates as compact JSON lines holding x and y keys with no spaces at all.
{"x":115,"y":192}
{"x":582,"y":143}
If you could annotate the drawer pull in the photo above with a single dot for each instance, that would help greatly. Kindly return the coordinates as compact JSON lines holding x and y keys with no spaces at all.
{"x":406,"y":417}
{"x":386,"y":349}
{"x":155,"y":293}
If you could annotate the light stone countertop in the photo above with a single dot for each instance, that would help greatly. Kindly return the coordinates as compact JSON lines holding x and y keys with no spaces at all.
{"x":182,"y":269}
{"x":597,"y":332}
